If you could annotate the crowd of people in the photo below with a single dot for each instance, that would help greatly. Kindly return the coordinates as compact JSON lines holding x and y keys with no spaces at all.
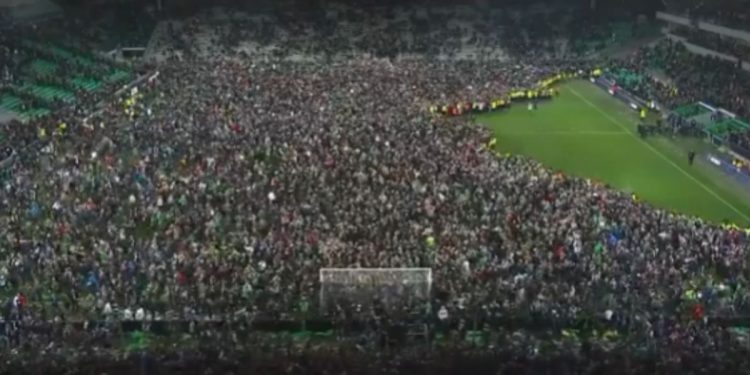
{"x":218,"y":188}
{"x":336,"y":32}
{"x":403,"y":32}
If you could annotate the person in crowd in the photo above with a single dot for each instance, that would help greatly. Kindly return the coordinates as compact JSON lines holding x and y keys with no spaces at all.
{"x":218,"y":190}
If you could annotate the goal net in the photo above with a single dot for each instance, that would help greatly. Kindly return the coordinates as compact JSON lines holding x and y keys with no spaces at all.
{"x":359,"y":290}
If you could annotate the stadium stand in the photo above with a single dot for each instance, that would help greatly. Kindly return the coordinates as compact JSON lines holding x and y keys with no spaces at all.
{"x":46,"y":71}
{"x":691,"y":110}
{"x":197,"y":208}
{"x":587,"y":39}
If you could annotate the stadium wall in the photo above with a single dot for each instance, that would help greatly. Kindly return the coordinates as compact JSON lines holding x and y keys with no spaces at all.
{"x":21,"y":11}
{"x":706,"y":26}
{"x":705,"y":51}
{"x":726,"y":166}
{"x":740,"y":153}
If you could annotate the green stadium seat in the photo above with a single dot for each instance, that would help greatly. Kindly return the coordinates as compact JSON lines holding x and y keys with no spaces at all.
{"x":118,"y":75}
{"x":10,"y":103}
{"x":691,"y":110}
{"x":48,"y":93}
{"x":85,"y":83}
{"x":43,"y":67}
{"x":83,"y":71}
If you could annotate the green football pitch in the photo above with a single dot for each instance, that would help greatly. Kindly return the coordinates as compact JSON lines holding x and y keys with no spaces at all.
{"x":586,"y":132}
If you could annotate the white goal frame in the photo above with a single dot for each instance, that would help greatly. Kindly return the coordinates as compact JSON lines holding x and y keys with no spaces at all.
{"x":370,"y":271}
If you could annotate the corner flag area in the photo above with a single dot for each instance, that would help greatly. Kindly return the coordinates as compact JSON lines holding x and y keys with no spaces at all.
{"x":586,"y":132}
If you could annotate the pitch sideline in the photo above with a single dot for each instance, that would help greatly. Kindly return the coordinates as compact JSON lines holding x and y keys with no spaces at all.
{"x":658,"y":153}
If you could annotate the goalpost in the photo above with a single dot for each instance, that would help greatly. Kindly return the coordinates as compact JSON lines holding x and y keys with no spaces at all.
{"x":359,"y":289}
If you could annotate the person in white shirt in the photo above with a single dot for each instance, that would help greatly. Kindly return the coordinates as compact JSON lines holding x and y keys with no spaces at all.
{"x":140,"y":314}
{"x":443,"y":314}
{"x":107,"y":310}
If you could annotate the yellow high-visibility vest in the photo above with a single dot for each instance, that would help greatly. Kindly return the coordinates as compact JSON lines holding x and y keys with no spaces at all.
{"x":430,"y":241}
{"x":690,"y":295}
{"x":61,"y":128}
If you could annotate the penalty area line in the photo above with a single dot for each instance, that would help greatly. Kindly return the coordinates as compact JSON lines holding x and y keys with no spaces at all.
{"x":659,"y":154}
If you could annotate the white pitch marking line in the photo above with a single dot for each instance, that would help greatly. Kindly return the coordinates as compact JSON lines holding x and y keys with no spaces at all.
{"x":658,"y":153}
{"x":566,"y":132}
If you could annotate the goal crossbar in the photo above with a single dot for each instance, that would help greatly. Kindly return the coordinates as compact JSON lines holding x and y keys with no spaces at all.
{"x":362,"y":286}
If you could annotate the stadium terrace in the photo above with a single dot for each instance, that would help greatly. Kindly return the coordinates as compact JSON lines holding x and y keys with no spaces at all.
{"x":374,"y":188}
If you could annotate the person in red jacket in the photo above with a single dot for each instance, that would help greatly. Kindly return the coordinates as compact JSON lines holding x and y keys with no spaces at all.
{"x":698,"y":312}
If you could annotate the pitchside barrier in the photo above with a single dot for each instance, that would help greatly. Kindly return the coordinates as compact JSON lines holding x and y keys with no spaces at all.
{"x":608,"y":83}
{"x":742,"y":175}
{"x":740,"y":153}
{"x":245,"y":328}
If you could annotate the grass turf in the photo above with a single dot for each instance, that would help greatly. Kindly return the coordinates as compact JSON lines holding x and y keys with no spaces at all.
{"x":585,"y":132}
